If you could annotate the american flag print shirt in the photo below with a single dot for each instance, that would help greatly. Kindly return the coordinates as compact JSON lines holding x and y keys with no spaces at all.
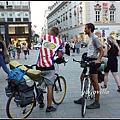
{"x":49,"y":47}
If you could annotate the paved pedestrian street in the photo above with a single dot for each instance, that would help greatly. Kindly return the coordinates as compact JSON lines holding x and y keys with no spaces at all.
{"x":109,"y":99}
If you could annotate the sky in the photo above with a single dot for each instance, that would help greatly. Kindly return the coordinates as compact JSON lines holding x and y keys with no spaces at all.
{"x":37,"y":13}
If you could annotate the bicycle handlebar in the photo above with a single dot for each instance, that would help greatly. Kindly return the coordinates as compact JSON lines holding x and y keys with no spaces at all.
{"x":88,"y":63}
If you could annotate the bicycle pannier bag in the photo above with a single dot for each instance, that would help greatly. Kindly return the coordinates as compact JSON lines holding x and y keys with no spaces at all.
{"x":26,"y":88}
{"x":100,"y":77}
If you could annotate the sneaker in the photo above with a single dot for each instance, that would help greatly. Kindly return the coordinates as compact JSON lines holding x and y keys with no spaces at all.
{"x":41,"y":105}
{"x":51,"y":109}
{"x":93,"y":106}
{"x":78,"y":101}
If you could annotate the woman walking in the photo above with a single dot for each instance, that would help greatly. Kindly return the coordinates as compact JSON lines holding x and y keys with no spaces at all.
{"x":25,"y":49}
{"x":112,"y":64}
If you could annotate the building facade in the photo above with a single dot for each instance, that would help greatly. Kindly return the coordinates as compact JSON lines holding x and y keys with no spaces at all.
{"x":15,"y":21}
{"x":71,"y":17}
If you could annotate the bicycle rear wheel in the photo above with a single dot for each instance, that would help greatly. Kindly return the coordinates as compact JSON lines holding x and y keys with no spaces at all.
{"x":83,"y":107}
{"x":59,"y":90}
{"x":14,"y":110}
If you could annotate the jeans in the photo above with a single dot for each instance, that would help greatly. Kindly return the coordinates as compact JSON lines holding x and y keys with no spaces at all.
{"x":4,"y":66}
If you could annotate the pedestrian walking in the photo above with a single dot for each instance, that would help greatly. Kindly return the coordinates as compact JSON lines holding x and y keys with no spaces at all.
{"x":78,"y":47}
{"x":73,"y":47}
{"x":112,"y":64}
{"x":67,"y":48}
{"x":2,"y":50}
{"x":13,"y":49}
{"x":18,"y":48}
{"x":25,"y":49}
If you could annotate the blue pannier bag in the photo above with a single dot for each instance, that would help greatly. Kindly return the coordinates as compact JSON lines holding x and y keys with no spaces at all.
{"x":16,"y":74}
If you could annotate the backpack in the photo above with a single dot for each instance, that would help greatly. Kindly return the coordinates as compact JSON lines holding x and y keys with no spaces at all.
{"x":16,"y":75}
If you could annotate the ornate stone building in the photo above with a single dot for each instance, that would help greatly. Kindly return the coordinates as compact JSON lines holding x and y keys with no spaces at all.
{"x":71,"y":17}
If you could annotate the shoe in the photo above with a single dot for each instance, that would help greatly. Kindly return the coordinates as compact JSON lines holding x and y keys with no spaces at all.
{"x":118,"y":89}
{"x":41,"y":105}
{"x":51,"y":109}
{"x":78,"y":101}
{"x":93,"y":106}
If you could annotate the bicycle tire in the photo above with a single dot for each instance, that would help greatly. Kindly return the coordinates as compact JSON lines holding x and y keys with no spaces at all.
{"x":14,"y":112}
{"x":59,"y":95}
{"x":83,"y":107}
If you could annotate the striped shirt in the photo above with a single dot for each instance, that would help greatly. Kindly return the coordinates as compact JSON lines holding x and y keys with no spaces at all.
{"x":49,"y":47}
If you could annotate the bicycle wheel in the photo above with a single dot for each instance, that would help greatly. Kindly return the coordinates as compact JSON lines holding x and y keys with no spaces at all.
{"x":14,"y":110}
{"x":83,"y":107}
{"x":59,"y":90}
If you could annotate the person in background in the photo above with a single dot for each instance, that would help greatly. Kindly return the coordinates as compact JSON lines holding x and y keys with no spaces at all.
{"x":25,"y":49}
{"x":2,"y":61}
{"x":67,"y":48}
{"x":77,"y":46}
{"x":73,"y":47}
{"x":104,"y":42}
{"x":18,"y":48}
{"x":9,"y":47}
{"x":45,"y":63}
{"x":13,"y":49}
{"x":112,"y":64}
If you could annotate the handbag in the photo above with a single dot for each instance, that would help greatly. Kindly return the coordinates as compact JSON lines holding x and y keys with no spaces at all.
{"x":6,"y":58}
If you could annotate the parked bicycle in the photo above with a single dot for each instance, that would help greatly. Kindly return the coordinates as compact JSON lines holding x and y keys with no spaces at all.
{"x":87,"y":89}
{"x":15,"y":108}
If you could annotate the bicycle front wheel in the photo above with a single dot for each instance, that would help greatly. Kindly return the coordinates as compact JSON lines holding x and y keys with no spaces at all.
{"x":83,"y":107}
{"x":59,"y":90}
{"x":14,"y":110}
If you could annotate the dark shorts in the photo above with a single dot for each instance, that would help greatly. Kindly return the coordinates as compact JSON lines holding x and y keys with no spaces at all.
{"x":25,"y":52}
{"x":112,"y":68}
{"x":18,"y":50}
{"x":93,"y":69}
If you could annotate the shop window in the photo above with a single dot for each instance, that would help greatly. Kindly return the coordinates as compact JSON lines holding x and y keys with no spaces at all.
{"x":19,"y":30}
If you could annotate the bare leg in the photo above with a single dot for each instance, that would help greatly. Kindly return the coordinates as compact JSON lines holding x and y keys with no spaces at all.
{"x":105,"y":78}
{"x":94,"y":78}
{"x":49,"y":95}
{"x":117,"y":79}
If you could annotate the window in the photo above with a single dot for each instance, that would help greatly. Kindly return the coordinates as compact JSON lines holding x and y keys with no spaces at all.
{"x":10,"y":19}
{"x":97,"y":16}
{"x":2,"y":29}
{"x":19,"y":30}
{"x":17,"y":3}
{"x":18,"y":19}
{"x":9,"y":3}
{"x":97,"y":9}
{"x":25,"y":19}
{"x":2,"y":3}
{"x":25,"y":3}
{"x":112,"y":13}
{"x":112,"y":16}
{"x":2,"y":19}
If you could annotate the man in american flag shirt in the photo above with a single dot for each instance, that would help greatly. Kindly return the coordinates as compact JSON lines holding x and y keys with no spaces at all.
{"x":50,"y":46}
